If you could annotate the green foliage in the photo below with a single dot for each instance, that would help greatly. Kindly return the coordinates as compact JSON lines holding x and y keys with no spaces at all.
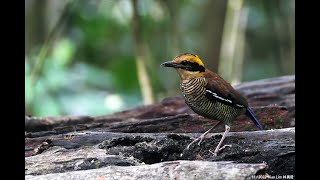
{"x":90,"y":68}
{"x":125,"y":74}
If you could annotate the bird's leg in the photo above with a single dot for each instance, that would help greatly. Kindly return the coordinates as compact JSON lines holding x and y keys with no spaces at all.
{"x":200,"y":138}
{"x":223,"y":136}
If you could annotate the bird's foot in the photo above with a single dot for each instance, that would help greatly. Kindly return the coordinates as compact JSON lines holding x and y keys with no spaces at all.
{"x":215,"y":153}
{"x":200,"y":139}
{"x":194,"y":141}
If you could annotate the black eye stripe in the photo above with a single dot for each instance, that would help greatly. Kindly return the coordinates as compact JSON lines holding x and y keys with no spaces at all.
{"x":185,"y":62}
{"x":192,"y":66}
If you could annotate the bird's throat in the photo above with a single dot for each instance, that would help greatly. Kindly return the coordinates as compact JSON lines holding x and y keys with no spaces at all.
{"x":185,"y":75}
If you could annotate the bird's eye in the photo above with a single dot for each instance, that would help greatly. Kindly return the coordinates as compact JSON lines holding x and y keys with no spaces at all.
{"x":184,"y":62}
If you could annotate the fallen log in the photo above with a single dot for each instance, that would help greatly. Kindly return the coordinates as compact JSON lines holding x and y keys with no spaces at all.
{"x":90,"y":150}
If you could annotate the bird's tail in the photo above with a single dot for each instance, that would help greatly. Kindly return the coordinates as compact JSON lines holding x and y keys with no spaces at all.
{"x":253,"y":118}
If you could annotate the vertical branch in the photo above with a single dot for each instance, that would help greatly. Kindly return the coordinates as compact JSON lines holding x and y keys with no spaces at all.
{"x":214,"y":19}
{"x":49,"y":41}
{"x":143,"y":78}
{"x":240,"y":47}
{"x":40,"y":59}
{"x":174,"y":38}
{"x":232,"y":48}
{"x":34,"y":23}
{"x":284,"y":30}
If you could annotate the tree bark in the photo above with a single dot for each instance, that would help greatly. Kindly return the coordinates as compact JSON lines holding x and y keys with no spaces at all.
{"x":167,"y":170}
{"x":91,"y":150}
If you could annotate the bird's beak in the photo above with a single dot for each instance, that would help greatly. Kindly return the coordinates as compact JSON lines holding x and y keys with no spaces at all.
{"x":170,"y":64}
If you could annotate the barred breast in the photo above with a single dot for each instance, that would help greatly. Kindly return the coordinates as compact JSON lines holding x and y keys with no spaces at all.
{"x":193,"y":91}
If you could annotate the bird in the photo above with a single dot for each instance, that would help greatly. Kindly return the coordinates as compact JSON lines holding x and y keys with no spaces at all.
{"x":209,"y":95}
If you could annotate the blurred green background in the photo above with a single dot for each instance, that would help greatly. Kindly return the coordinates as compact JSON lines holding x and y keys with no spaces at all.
{"x":96,"y":57}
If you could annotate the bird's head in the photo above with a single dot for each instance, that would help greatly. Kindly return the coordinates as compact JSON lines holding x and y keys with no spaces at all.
{"x":188,"y":66}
